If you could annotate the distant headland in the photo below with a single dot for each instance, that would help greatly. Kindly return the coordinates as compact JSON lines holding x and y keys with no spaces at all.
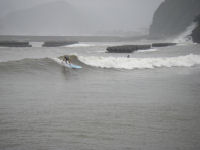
{"x":173,"y":17}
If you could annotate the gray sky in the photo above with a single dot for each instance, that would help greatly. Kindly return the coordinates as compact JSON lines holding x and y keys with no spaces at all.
{"x":124,"y":15}
{"x":139,"y":11}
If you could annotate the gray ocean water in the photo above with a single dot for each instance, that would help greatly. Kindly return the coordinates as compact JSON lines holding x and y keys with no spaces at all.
{"x":150,"y":101}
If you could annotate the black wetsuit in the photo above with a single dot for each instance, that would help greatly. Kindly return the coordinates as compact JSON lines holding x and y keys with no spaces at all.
{"x":67,"y":58}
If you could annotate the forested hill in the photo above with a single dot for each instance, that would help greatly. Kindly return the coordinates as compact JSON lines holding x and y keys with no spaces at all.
{"x":173,"y":17}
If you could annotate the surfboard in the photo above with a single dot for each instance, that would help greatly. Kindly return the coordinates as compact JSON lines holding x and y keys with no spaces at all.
{"x":73,"y":66}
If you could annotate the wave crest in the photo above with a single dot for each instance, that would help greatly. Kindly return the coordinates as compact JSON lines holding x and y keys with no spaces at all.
{"x":141,"y":63}
{"x":80,"y":45}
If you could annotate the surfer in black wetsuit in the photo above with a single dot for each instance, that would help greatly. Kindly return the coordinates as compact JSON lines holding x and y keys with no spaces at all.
{"x":67,"y":59}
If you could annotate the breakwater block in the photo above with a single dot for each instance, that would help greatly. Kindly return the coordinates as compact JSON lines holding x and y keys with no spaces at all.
{"x":14,"y":44}
{"x":127,"y":48}
{"x":163,"y":44}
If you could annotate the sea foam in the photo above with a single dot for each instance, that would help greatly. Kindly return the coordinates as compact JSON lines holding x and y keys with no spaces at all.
{"x":185,"y":37}
{"x":59,"y":61}
{"x":141,"y":63}
{"x":81,"y":45}
{"x":147,"y":51}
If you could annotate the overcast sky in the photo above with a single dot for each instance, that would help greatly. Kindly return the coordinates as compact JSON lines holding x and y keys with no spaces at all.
{"x":140,"y":11}
{"x":131,"y":14}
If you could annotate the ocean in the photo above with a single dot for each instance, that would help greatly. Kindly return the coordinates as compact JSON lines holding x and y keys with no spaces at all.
{"x":150,"y":101}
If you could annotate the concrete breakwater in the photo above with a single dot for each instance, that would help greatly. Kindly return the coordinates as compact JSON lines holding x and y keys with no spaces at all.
{"x":127,"y":48}
{"x":132,"y":48}
{"x":163,"y":44}
{"x":11,"y":43}
{"x":14,"y":44}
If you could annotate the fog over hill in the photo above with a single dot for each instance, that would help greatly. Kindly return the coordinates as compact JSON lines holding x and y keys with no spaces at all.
{"x":7,"y":6}
{"x":75,"y":17}
{"x":51,"y":18}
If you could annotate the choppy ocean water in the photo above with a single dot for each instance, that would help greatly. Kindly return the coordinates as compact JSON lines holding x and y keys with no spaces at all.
{"x":149,"y":101}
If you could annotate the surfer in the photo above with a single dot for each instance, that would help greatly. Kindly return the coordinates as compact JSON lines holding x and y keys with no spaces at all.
{"x":67,"y":59}
{"x":67,"y":63}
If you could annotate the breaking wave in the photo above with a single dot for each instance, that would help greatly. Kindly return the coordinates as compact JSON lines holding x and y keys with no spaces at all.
{"x":108,"y":62}
{"x":185,"y":36}
{"x":141,"y":63}
{"x":80,"y":45}
{"x":59,"y":61}
{"x":147,"y":51}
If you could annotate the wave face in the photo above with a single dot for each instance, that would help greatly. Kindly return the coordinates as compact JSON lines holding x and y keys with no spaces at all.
{"x":141,"y":63}
{"x":31,"y":65}
{"x":74,"y":59}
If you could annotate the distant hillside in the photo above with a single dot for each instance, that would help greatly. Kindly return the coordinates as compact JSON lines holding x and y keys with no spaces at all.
{"x":55,"y":18}
{"x":7,"y":6}
{"x":173,"y":17}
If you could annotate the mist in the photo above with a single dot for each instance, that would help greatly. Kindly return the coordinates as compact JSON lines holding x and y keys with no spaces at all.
{"x":86,"y":17}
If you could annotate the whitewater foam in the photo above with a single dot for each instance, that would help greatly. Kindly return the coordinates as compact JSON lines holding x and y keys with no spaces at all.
{"x":59,"y":61}
{"x":141,"y":63}
{"x":36,"y":44}
{"x":185,"y":36}
{"x":80,"y":45}
{"x":147,"y":51}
